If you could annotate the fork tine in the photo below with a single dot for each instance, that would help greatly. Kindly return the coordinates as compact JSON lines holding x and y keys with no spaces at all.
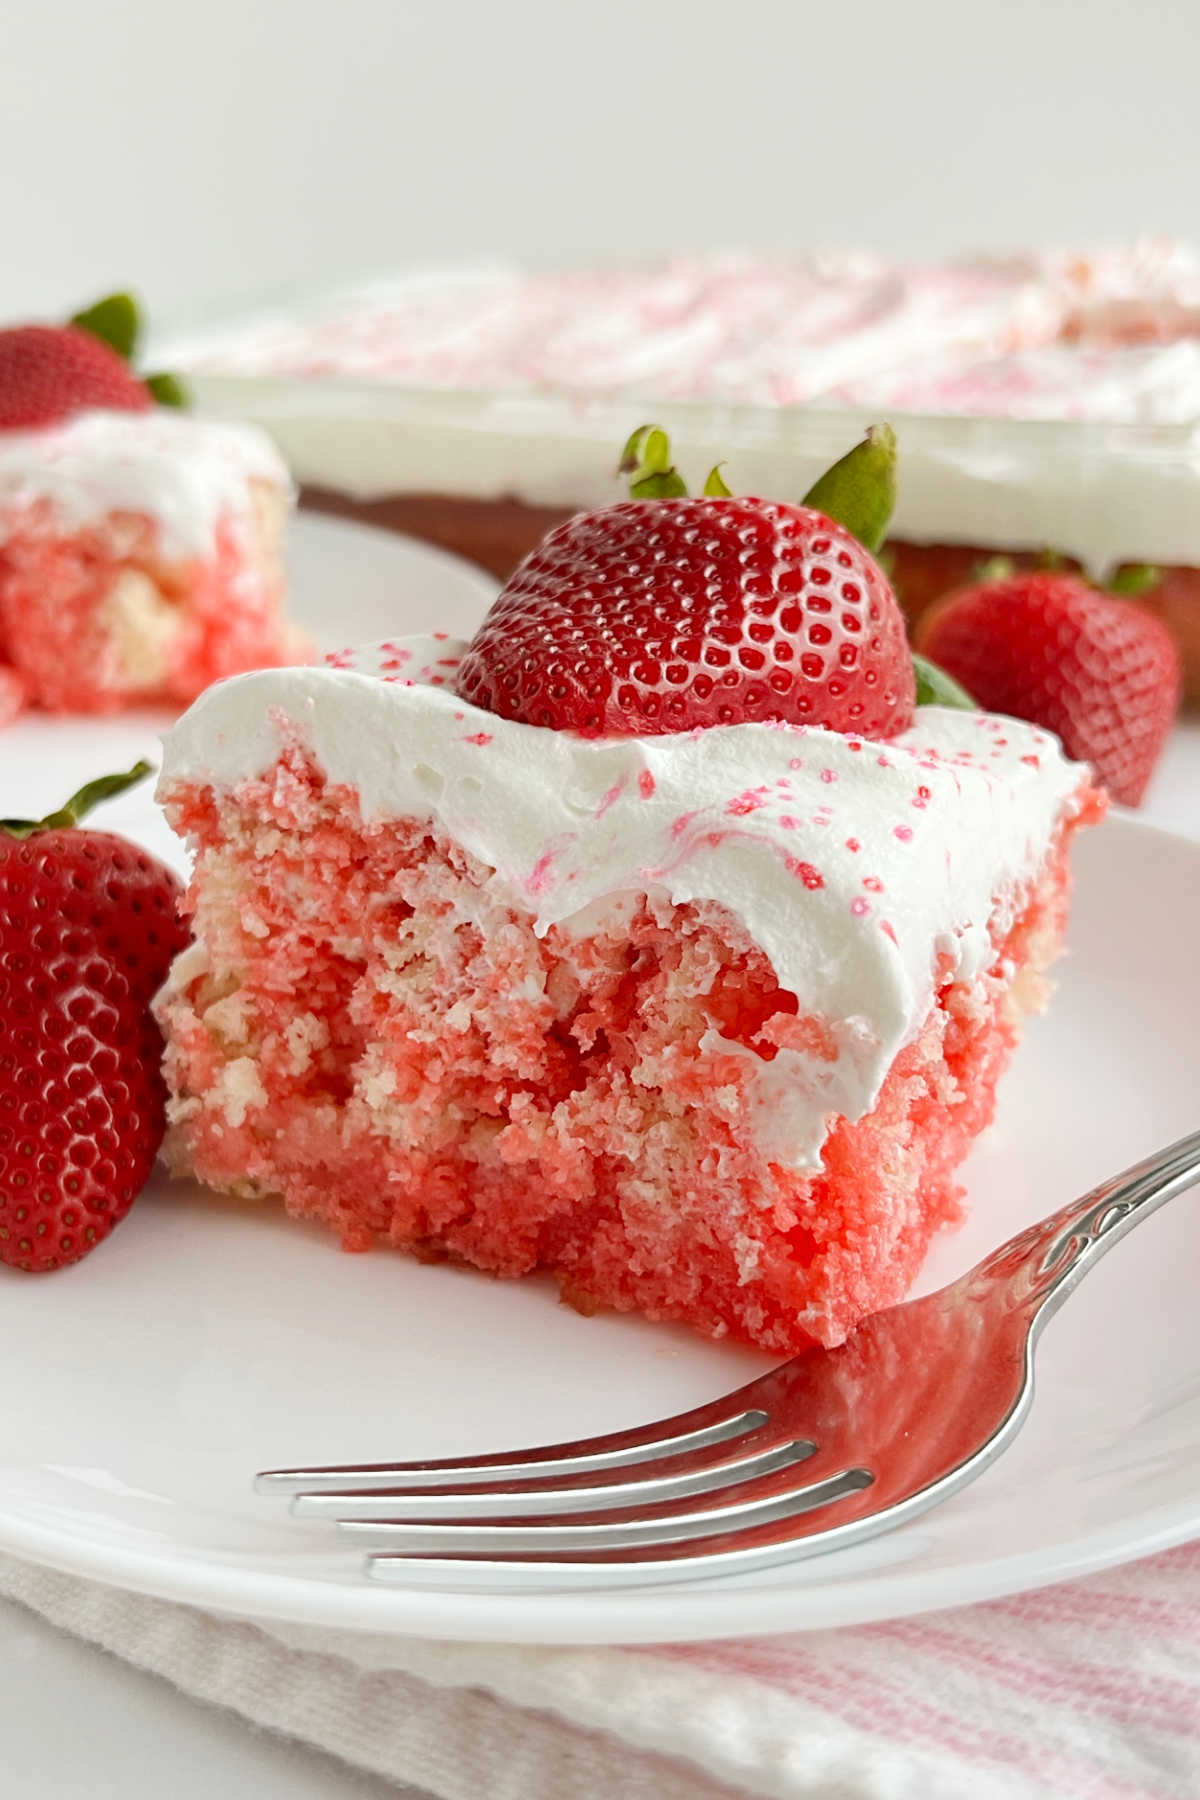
{"x":704,"y":1427}
{"x":738,"y":1551}
{"x":490,"y":1537}
{"x":526,"y":1498}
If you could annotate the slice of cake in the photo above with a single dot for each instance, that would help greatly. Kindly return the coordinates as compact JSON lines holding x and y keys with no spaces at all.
{"x":702,"y":1020}
{"x":140,"y":548}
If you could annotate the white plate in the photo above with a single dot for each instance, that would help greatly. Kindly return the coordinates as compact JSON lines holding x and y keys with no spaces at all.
{"x":140,"y":1390}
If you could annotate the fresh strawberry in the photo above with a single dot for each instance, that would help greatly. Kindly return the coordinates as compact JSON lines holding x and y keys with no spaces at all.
{"x":1098,"y":671}
{"x":50,"y":372}
{"x":665,"y":613}
{"x":88,"y":927}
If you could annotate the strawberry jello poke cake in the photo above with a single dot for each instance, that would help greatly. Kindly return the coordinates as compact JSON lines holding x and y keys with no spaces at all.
{"x":655,"y":938}
{"x":140,"y":547}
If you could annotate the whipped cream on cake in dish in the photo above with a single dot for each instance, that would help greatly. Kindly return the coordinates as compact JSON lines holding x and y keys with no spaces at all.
{"x":732,"y":327}
{"x":652,"y":938}
{"x":1052,"y":398}
{"x":140,"y":547}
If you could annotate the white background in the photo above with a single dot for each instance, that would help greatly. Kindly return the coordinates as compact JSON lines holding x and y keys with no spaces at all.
{"x":220,"y":147}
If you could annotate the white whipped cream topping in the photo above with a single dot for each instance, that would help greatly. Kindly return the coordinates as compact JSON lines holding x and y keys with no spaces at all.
{"x":852,"y":864}
{"x":185,"y":472}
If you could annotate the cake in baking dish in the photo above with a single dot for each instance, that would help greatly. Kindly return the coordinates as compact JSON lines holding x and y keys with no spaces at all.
{"x":665,"y":948}
{"x":140,"y":547}
{"x":467,"y":405}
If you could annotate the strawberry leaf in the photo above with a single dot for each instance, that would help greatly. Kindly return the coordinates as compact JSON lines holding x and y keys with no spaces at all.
{"x":994,"y":568}
{"x":115,"y":320}
{"x":646,"y":459}
{"x":714,"y":485}
{"x":168,"y":390}
{"x":80,"y":803}
{"x":666,"y":484}
{"x":633,"y":455}
{"x":936,"y":688}
{"x":1134,"y":580}
{"x":859,"y":491}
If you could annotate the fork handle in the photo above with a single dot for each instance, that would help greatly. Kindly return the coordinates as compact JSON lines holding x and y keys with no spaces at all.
{"x":1046,"y":1261}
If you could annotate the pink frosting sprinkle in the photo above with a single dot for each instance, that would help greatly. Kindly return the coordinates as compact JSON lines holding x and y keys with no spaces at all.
{"x":609,"y":799}
{"x":859,"y":907}
{"x":646,"y":784}
{"x":903,"y":832}
{"x":539,"y":879}
{"x":748,"y":802}
{"x":478,"y":737}
{"x":812,"y":878}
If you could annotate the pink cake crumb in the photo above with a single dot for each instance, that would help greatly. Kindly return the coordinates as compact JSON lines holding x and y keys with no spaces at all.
{"x":365,"y":1030}
{"x":98,"y":617}
{"x":13,"y":695}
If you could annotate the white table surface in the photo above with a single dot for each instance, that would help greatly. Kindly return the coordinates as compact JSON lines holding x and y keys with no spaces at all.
{"x":133,"y":1737}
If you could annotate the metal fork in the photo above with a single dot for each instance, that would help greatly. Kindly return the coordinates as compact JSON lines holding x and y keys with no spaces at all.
{"x":828,"y":1449}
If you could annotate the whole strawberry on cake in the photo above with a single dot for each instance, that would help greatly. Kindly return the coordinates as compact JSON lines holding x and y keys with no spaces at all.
{"x":670,"y":936}
{"x":140,"y":547}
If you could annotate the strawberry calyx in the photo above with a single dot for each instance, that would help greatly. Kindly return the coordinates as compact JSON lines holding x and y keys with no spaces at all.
{"x":1129,"y":582}
{"x":936,"y":688}
{"x":1133,"y":580}
{"x":646,"y":459}
{"x":104,"y":787}
{"x":117,"y":321}
{"x":859,"y":491}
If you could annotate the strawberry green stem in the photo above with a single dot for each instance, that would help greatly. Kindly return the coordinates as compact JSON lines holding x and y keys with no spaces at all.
{"x":115,"y":320}
{"x":936,"y":688}
{"x":1134,"y":580}
{"x":994,"y":568}
{"x":168,"y":390}
{"x":715,"y":487}
{"x":859,"y":491}
{"x":646,"y":459}
{"x":80,"y":803}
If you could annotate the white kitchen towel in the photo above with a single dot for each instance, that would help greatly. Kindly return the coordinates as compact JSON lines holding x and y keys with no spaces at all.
{"x":1085,"y":1691}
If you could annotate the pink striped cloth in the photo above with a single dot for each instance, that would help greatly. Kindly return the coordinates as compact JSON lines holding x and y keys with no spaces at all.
{"x":1090,"y":1689}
